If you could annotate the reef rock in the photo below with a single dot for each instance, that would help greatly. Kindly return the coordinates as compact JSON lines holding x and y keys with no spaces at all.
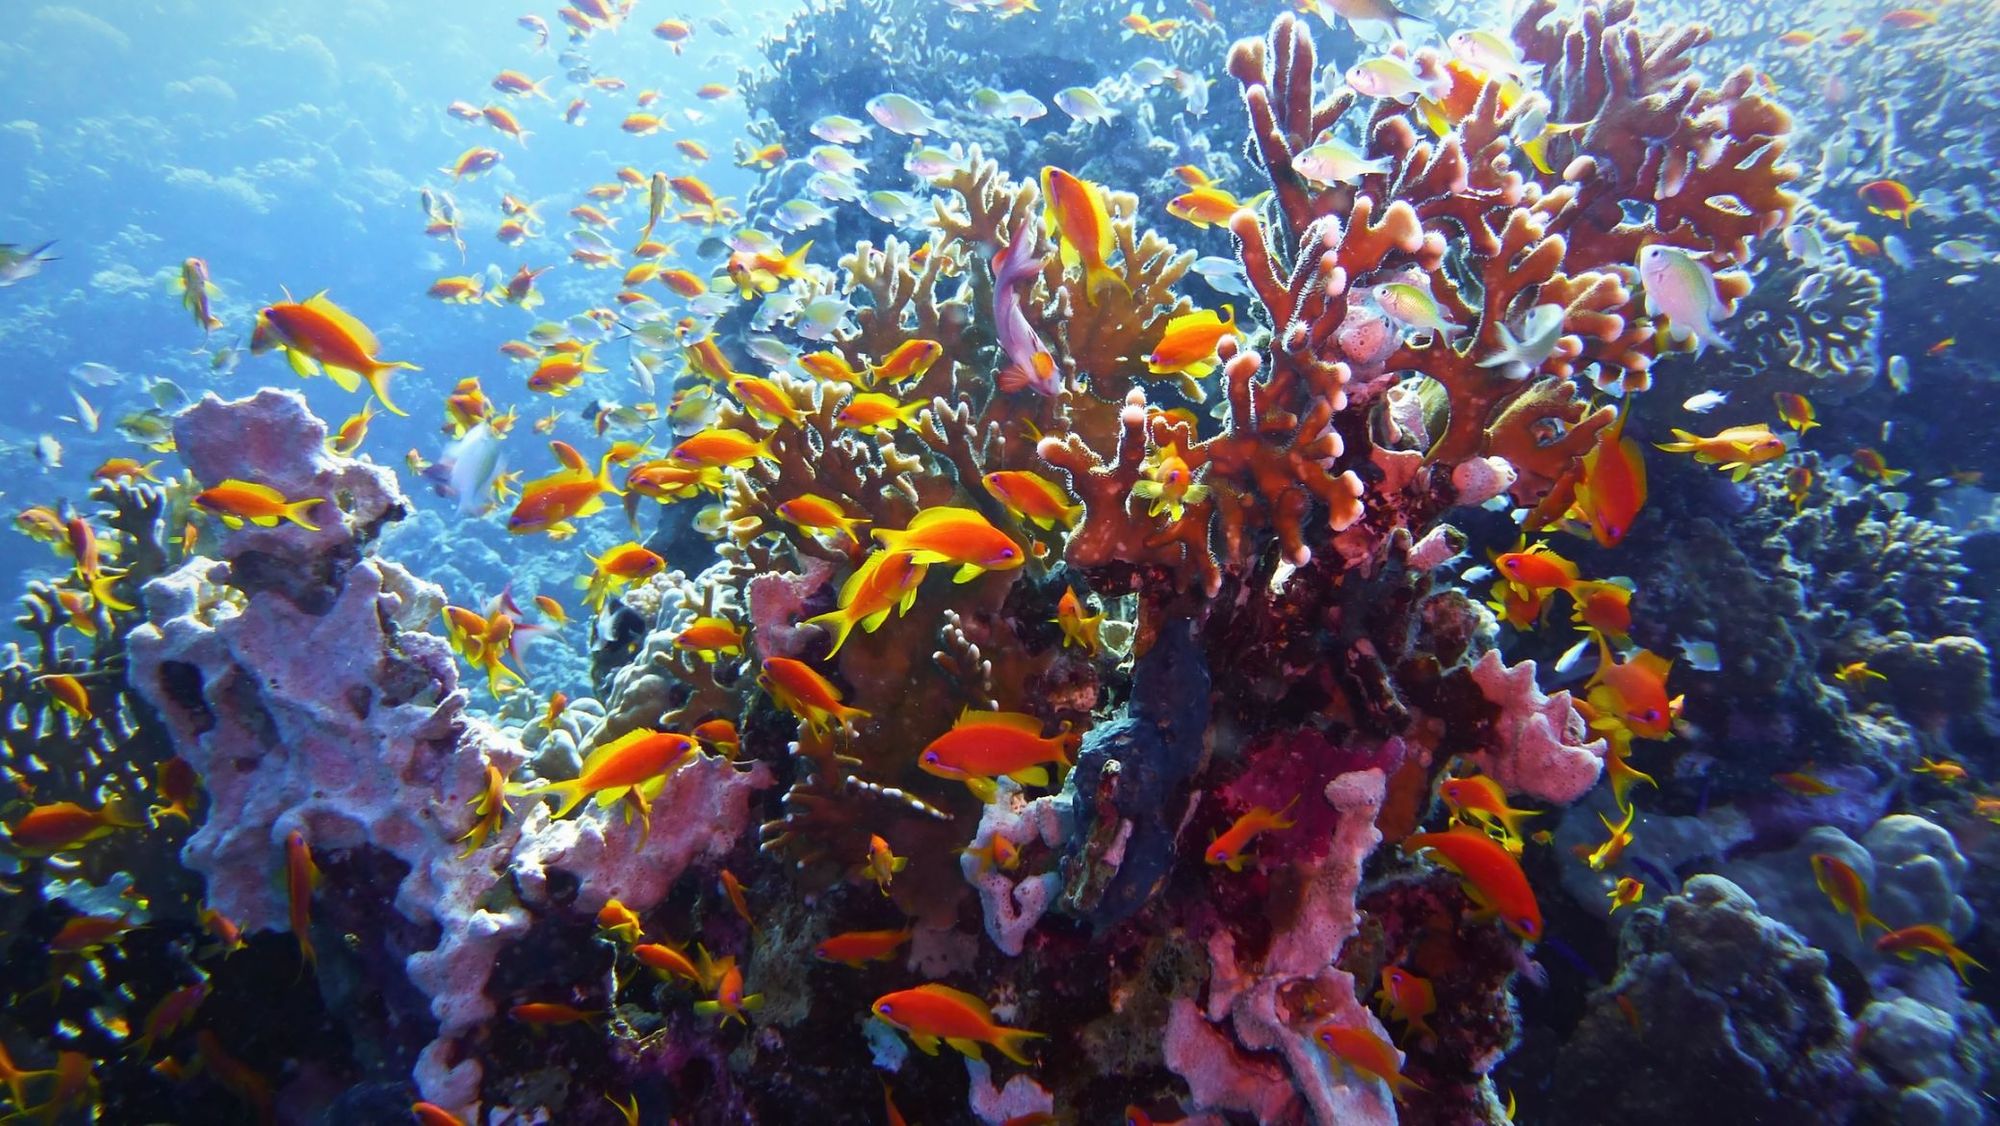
{"x":1717,"y":990}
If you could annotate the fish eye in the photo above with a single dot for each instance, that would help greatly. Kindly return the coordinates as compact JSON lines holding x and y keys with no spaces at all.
{"x":930,"y":756}
{"x":1528,"y":926}
{"x":1006,"y":553}
{"x":1650,"y":715}
{"x":885,"y":1007}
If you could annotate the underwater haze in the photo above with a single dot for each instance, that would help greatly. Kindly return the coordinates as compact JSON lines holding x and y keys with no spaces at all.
{"x":999,"y":561}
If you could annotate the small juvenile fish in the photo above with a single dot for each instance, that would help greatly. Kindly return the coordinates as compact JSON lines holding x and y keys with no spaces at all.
{"x":1705,"y":401}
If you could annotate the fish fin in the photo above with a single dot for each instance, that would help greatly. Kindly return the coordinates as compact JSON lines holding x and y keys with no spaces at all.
{"x":985,"y":789}
{"x":296,"y":513}
{"x":1032,"y":776}
{"x":969,"y":1048}
{"x":1010,"y":1041}
{"x":836,"y":623}
{"x":926,"y":1043}
{"x":967,"y":573}
{"x":324,"y":306}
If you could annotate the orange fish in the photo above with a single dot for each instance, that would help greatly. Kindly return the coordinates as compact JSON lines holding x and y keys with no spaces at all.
{"x":1483,"y":799}
{"x":619,"y":921}
{"x":1407,"y":998}
{"x":1207,"y":206}
{"x":666,"y":960}
{"x":821,"y":514}
{"x":549,"y":1013}
{"x":1075,"y":210}
{"x":871,"y":412}
{"x":1629,"y":698}
{"x":619,"y":567}
{"x":882,"y":864}
{"x":984,"y":746}
{"x":69,"y":694}
{"x":1805,"y":784}
{"x":1928,"y":939}
{"x":178,"y":785}
{"x":909,"y":360}
{"x":1613,"y":849}
{"x":721,"y":448}
{"x":856,"y":948}
{"x":930,"y":1013}
{"x":711,"y":638}
{"x":1033,"y":498}
{"x":61,"y":826}
{"x":240,"y":502}
{"x":301,"y":877}
{"x":1890,"y":199}
{"x":320,"y":331}
{"x":1734,"y":451}
{"x":1078,"y":628}
{"x":1227,"y":849}
{"x":1187,"y":345}
{"x":1492,"y":878}
{"x":548,"y":504}
{"x":1796,"y":411}
{"x":635,"y":761}
{"x":1538,"y":568}
{"x":1845,"y":888}
{"x":1602,"y":607}
{"x":1365,"y":1052}
{"x":1627,"y":892}
{"x":431,"y":1114}
{"x":795,"y":687}
{"x":955,"y":535}
{"x":1611,"y":485}
{"x":1869,"y":463}
{"x":733,"y":889}
{"x":489,"y":811}
{"x":730,"y":1002}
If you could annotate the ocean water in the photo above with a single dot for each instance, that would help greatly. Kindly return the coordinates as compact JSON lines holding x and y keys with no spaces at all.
{"x":1044,"y":587}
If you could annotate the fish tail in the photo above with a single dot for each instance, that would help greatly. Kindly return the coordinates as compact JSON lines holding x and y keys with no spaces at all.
{"x":1101,"y":276}
{"x":100,"y":590}
{"x":1959,"y":960}
{"x":296,"y":513}
{"x":838,"y":623}
{"x":378,"y":382}
{"x":1010,"y":1041}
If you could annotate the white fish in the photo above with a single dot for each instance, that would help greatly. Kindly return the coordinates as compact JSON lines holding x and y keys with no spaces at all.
{"x":1810,"y":290}
{"x":1224,"y":274}
{"x":169,"y":395}
{"x":841,"y":130}
{"x":1334,"y":161}
{"x":1961,"y":251}
{"x":1803,"y":242}
{"x":1083,"y":104}
{"x":891,"y":207}
{"x":1701,"y":656}
{"x":1572,"y":657}
{"x":1023,"y":106}
{"x":1391,"y":77}
{"x":471,"y":465}
{"x":930,"y":162}
{"x":96,"y":374}
{"x":821,"y":318}
{"x":899,"y":113}
{"x":1898,"y":372}
{"x":798,"y":214}
{"x":1681,"y":286}
{"x":1705,"y":401}
{"x":48,"y":451}
{"x":1961,"y":279}
{"x":839,"y":189}
{"x":771,"y":350}
{"x":86,"y":415}
{"x":1477,"y":574}
{"x":834,"y":160}
{"x":1487,"y":50}
{"x":1897,"y":251}
{"x":644,"y":368}
{"x":1519,"y":355}
{"x":1194,"y":89}
{"x":583,"y":238}
{"x":18,"y":264}
{"x":1147,"y":73}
